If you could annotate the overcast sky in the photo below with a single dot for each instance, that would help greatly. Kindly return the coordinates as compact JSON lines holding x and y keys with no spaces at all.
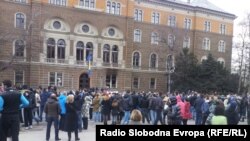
{"x":236,"y":7}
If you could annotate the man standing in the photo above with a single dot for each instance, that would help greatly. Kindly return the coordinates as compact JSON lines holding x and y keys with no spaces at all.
{"x":12,"y":101}
{"x":52,"y":110}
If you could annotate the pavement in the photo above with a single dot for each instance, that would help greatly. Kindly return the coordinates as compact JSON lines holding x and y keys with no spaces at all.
{"x":38,"y":132}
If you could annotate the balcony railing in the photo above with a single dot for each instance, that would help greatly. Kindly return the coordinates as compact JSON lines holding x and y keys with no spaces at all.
{"x":58,"y":61}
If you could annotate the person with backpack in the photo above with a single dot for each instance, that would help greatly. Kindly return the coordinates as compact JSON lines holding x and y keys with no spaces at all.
{"x":174,"y":112}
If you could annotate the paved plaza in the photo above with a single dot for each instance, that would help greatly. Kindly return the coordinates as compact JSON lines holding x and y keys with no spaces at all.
{"x":38,"y":133}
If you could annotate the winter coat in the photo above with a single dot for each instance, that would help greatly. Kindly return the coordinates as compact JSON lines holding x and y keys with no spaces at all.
{"x":52,"y":108}
{"x":71,"y":119}
{"x":106,"y":106}
{"x":86,"y":106}
{"x":62,"y":103}
{"x":96,"y":104}
{"x":187,"y":114}
{"x":181,"y":105}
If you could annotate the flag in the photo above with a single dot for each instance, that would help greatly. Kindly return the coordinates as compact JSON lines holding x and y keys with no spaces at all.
{"x":89,"y":59}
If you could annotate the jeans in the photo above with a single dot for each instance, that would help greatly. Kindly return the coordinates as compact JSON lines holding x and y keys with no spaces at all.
{"x":152,"y":116}
{"x":114,"y":119}
{"x":41,"y":112}
{"x":97,"y":116}
{"x":126,"y":118}
{"x":56,"y":126}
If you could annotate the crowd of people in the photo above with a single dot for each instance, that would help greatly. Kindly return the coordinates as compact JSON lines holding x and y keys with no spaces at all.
{"x":70,"y":111}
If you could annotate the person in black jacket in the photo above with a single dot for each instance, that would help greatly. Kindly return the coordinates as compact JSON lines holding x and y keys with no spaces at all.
{"x":71,"y":122}
{"x":11,"y":103}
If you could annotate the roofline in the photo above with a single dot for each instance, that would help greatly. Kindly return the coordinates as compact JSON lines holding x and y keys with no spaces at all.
{"x":191,"y":8}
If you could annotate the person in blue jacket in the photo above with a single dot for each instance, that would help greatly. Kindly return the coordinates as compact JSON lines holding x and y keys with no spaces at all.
{"x":10,"y":103}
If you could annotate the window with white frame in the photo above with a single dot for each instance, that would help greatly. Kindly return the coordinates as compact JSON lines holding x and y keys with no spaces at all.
{"x":221,"y":61}
{"x":111,"y":81}
{"x":187,"y":23}
{"x":113,"y":8}
{"x":87,"y":3}
{"x":186,"y":42}
{"x":110,"y":55}
{"x":61,"y":45}
{"x":137,"y":35}
{"x":19,"y":77}
{"x":136,"y":59}
{"x":152,"y":84}
{"x":58,"y":2}
{"x":21,"y":1}
{"x":155,"y":18}
{"x":206,"y":44}
{"x":89,"y":51}
{"x":55,"y":79}
{"x":138,"y":15}
{"x":222,"y":46}
{"x":172,"y":21}
{"x":154,"y":38}
{"x":19,"y":48}
{"x":222,"y":29}
{"x":106,"y":53}
{"x":171,"y":40}
{"x":136,"y":82}
{"x":207,"y":26}
{"x":80,"y":51}
{"x":153,"y":61}
{"x":203,"y":58}
{"x":20,"y":20}
{"x":115,"y":54}
{"x":51,"y":48}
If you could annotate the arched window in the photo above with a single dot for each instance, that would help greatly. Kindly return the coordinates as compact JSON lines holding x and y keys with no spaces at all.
{"x":89,"y":51}
{"x":106,"y":53}
{"x":108,"y":7}
{"x":221,"y":61}
{"x":115,"y":54}
{"x":136,"y":59}
{"x":20,"y":20}
{"x":61,"y":45}
{"x":79,"y":51}
{"x":51,"y":48}
{"x":113,"y":7}
{"x":118,"y":9}
{"x":19,"y":48}
{"x":153,"y":61}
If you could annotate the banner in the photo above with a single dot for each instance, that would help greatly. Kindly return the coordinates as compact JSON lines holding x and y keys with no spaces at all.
{"x":189,"y":132}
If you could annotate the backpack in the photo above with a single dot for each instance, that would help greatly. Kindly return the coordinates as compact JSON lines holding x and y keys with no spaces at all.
{"x":115,"y":103}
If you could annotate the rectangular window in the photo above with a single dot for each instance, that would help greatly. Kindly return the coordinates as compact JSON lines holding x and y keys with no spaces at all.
{"x":207,"y":26}
{"x":187,"y":23}
{"x":58,"y":2}
{"x":56,"y":79}
{"x":19,"y":78}
{"x":186,"y":42}
{"x":222,"y":29}
{"x":21,"y":1}
{"x":152,"y":83}
{"x":136,"y":83}
{"x":138,"y":15}
{"x":111,"y":81}
{"x":172,"y":21}
{"x":137,"y":35}
{"x":155,"y":18}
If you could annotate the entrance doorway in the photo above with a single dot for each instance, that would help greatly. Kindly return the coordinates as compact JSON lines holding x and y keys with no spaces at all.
{"x":84,"y":81}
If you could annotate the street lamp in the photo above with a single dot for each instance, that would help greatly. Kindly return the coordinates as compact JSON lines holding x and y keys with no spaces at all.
{"x":170,"y":70}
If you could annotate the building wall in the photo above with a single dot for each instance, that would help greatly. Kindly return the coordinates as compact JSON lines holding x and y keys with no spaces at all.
{"x":39,"y":15}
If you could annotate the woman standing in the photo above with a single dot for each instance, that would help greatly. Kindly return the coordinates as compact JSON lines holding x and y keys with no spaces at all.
{"x":71,"y":124}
